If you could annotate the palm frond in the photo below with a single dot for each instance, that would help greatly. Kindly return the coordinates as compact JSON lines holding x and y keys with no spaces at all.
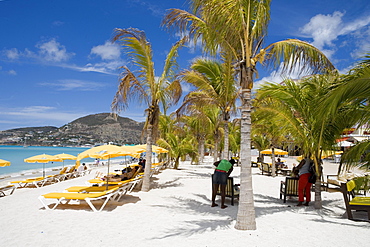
{"x":293,"y":53}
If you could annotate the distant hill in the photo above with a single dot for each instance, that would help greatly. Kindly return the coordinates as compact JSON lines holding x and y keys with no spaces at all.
{"x":91,"y":129}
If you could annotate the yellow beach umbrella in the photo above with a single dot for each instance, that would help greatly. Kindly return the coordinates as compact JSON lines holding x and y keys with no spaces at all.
{"x":276,"y":151}
{"x":43,"y":158}
{"x":155,"y":149}
{"x":103,"y":152}
{"x":64,"y":157}
{"x":4,"y":163}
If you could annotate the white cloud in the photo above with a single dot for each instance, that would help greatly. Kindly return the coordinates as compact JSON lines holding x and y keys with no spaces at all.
{"x":109,"y":68}
{"x":12,"y":72}
{"x":36,"y":116}
{"x":58,"y":23}
{"x":49,"y":51}
{"x":156,"y":11}
{"x":12,"y":54}
{"x":108,"y":51}
{"x":76,"y":85}
{"x":326,"y":29}
{"x":53,"y":51}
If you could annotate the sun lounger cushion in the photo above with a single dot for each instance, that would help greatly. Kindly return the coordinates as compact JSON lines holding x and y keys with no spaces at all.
{"x":88,"y":189}
{"x":72,"y":196}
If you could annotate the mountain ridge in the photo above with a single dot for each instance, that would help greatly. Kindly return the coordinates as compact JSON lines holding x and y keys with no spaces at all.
{"x":86,"y":130}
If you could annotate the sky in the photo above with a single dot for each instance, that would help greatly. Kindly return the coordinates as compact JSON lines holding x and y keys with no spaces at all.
{"x":57,"y":62}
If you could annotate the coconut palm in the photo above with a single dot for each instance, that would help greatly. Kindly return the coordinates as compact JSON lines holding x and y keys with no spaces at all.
{"x":143,"y":85}
{"x":215,"y":86}
{"x":355,"y":91}
{"x":240,"y":27}
{"x":178,"y":146}
{"x":234,"y":137}
{"x":268,"y":131}
{"x":302,"y":104}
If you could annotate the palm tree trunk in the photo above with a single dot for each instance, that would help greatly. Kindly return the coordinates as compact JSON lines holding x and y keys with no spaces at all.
{"x":215,"y":152}
{"x":200,"y":150}
{"x":225,"y":153}
{"x":318,"y":170}
{"x":148,"y":163}
{"x":246,"y":218}
{"x":273,"y":166}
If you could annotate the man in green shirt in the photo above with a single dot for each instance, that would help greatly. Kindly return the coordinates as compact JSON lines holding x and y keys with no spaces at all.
{"x":219,"y":179}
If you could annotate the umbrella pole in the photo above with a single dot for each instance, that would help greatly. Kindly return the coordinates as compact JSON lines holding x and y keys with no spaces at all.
{"x":43,"y":170}
{"x":106,"y":187}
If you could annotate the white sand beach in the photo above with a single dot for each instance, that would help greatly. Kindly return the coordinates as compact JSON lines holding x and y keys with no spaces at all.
{"x":177,"y":212}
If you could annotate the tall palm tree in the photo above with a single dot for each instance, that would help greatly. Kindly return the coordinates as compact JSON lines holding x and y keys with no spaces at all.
{"x":234,"y":137}
{"x":240,"y":28}
{"x":215,"y":86}
{"x":303,"y":106}
{"x":142,"y":84}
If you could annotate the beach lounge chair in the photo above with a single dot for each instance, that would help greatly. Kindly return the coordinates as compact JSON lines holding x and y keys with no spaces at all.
{"x":289,"y":187}
{"x":358,"y":203}
{"x":122,"y":189}
{"x":10,"y":188}
{"x":38,"y":182}
{"x":71,"y":173}
{"x":66,"y":197}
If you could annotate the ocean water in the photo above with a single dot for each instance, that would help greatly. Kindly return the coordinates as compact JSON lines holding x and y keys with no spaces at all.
{"x":16,"y":155}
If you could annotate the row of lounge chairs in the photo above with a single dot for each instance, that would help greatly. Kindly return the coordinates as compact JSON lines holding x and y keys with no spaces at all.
{"x":87,"y":194}
{"x":65,"y":173}
{"x":98,"y":190}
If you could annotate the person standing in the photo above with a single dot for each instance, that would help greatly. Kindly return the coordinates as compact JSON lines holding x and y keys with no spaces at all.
{"x":219,"y":179}
{"x":304,"y":186}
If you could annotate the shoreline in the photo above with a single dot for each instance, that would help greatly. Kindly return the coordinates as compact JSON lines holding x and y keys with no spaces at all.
{"x":33,"y":173}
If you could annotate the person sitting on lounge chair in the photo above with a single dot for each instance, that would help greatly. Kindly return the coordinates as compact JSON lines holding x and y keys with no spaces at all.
{"x":130,"y":172}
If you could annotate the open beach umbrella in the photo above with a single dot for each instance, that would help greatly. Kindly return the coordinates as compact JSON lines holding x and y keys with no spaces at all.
{"x":276,"y":151}
{"x":43,"y":158}
{"x":104,"y":152}
{"x":4,"y":163}
{"x":64,"y":157}
{"x":155,"y":149}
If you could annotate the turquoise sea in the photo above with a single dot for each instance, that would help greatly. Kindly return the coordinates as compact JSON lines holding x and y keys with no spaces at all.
{"x":16,"y":155}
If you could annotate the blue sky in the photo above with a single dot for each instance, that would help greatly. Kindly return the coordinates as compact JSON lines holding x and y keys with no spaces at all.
{"x":57,"y":63}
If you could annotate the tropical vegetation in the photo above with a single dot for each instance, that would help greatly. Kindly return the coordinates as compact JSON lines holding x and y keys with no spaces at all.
{"x":311,"y":113}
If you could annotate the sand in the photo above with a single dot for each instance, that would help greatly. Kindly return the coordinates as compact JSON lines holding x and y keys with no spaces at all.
{"x":177,"y":212}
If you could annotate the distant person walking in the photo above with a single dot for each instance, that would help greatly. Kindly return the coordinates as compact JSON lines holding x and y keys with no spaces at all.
{"x":219,"y":180}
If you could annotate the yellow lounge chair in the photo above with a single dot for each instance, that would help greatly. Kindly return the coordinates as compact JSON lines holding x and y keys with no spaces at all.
{"x":38,"y":182}
{"x":122,"y":189}
{"x":87,"y":197}
{"x":90,"y":189}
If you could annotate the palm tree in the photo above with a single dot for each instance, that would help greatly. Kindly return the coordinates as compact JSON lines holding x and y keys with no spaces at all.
{"x":143,"y":84}
{"x":234,"y":137}
{"x":240,"y":27}
{"x":268,"y":131}
{"x":178,"y":141}
{"x":215,"y":86}
{"x":355,"y":91}
{"x":303,"y":106}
